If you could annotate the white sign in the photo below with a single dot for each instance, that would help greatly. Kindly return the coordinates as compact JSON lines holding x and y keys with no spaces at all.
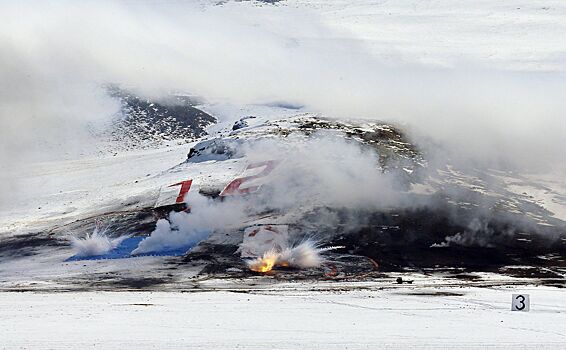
{"x":253,"y":177}
{"x":520,"y":302}
{"x":173,"y":194}
{"x":262,"y":238}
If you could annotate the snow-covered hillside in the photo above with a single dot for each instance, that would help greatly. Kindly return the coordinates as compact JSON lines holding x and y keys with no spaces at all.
{"x":358,"y":184}
{"x":143,"y":123}
{"x":384,"y":165}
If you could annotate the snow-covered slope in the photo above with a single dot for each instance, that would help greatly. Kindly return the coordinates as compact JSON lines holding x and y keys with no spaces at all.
{"x":465,"y":318}
{"x":408,"y":214}
{"x":515,"y":35}
{"x":342,"y":124}
{"x":146,"y":124}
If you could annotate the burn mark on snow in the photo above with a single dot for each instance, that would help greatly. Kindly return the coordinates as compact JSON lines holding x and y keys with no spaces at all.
{"x":135,"y":222}
{"x":140,"y":283}
{"x":27,"y":245}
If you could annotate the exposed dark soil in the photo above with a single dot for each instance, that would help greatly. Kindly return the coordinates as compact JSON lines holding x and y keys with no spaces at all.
{"x":26,"y":245}
{"x":388,"y":244}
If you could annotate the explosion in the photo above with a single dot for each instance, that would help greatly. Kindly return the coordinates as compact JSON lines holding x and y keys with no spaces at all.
{"x":264,"y":263}
{"x":305,"y":255}
{"x":96,"y":243}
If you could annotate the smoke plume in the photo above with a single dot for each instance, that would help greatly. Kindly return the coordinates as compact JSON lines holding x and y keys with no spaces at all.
{"x":185,"y":229}
{"x":56,"y":56}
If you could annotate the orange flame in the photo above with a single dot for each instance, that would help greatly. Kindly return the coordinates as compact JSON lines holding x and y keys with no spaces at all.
{"x":264,"y":263}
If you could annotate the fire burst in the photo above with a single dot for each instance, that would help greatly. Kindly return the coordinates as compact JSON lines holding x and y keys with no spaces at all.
{"x":264,"y":263}
{"x":304,"y":255}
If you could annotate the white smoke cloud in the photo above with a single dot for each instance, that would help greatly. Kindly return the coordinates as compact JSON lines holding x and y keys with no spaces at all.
{"x":53,"y":52}
{"x":325,"y":170}
{"x":54,"y":56}
{"x":184,"y":229}
{"x":340,"y":174}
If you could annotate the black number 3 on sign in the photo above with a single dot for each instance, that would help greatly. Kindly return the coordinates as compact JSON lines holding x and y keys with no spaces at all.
{"x":520,"y":302}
